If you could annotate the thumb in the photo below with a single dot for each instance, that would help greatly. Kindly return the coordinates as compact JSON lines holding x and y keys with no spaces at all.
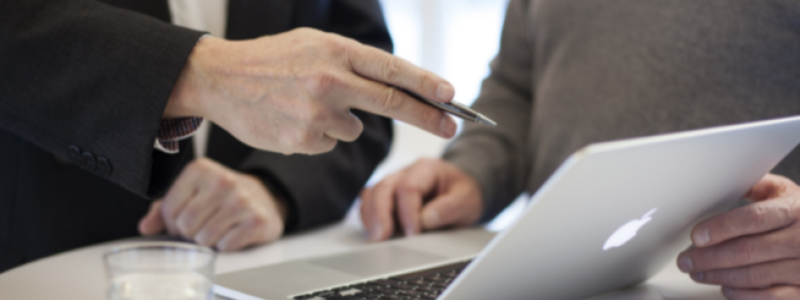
{"x":443,"y":211}
{"x":459,"y":206}
{"x":152,"y":223}
{"x":770,"y":187}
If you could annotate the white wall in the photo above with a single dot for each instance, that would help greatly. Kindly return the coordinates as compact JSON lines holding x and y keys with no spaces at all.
{"x":453,"y":38}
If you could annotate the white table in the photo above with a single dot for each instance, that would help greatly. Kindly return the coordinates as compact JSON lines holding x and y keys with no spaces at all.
{"x":79,"y":274}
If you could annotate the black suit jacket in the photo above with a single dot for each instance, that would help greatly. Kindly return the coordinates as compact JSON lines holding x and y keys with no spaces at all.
{"x":83,"y":85}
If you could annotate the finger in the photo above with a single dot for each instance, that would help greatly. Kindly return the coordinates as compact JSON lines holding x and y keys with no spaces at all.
{"x":755,"y":218}
{"x":739,"y":252}
{"x":378,"y":65}
{"x":184,"y":188}
{"x":199,"y":210}
{"x":780,"y":272}
{"x":308,"y":141}
{"x":152,"y":223}
{"x":773,"y":293}
{"x":770,"y":187}
{"x":451,"y":208}
{"x":388,"y":101}
{"x":418,"y":181}
{"x":365,"y":196}
{"x":235,"y":239}
{"x":409,"y":204}
{"x":222,"y":221}
{"x":377,"y":209}
{"x":347,"y":127}
{"x":254,"y":231}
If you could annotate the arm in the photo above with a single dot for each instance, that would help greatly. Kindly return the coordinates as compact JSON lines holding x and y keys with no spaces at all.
{"x":74,"y":69}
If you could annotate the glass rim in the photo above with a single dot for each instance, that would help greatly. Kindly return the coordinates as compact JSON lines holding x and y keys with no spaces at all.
{"x":122,"y":248}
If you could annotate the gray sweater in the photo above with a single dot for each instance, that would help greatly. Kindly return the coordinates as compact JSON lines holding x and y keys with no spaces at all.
{"x":571,"y":72}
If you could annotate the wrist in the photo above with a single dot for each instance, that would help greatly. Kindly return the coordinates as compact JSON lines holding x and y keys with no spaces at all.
{"x":188,"y":97}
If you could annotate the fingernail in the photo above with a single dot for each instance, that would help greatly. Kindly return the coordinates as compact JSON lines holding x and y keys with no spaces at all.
{"x":377,"y":231}
{"x":697,"y":276}
{"x":447,"y":126}
{"x":685,"y":264}
{"x":445,"y":91}
{"x":430,"y":218}
{"x":728,"y":292}
{"x":701,"y":237}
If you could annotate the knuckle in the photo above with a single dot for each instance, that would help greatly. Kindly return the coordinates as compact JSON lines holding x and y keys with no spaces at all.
{"x":169,"y":211}
{"x":238,"y":203}
{"x":390,"y":69}
{"x":786,"y":211}
{"x":259,"y":221}
{"x":428,"y":82}
{"x":225,"y":181}
{"x":305,"y":139}
{"x":183,"y":225}
{"x":755,"y":278}
{"x":322,"y":82}
{"x":202,"y":238}
{"x":316,"y":115}
{"x":430,"y":118}
{"x":756,"y":215}
{"x":744,"y":251}
{"x":389,"y":101}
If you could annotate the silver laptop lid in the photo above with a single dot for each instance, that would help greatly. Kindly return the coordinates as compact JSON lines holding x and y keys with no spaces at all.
{"x":615,"y":213}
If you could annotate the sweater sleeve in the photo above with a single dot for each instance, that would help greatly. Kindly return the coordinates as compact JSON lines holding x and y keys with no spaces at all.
{"x":498,"y":158}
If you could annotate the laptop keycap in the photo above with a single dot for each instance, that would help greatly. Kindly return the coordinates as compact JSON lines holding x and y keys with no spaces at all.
{"x":425,"y":284}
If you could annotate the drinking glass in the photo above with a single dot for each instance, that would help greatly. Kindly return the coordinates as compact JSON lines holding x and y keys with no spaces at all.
{"x":160,"y":271}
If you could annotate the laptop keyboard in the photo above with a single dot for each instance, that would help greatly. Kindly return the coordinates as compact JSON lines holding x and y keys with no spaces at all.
{"x":425,"y":284}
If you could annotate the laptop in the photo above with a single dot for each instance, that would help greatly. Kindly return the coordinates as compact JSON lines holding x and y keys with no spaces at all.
{"x":610,"y":217}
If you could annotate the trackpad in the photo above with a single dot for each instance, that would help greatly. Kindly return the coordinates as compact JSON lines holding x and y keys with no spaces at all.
{"x":377,"y":261}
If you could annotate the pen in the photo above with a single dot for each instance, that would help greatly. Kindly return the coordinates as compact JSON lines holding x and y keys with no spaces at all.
{"x":456,"y":109}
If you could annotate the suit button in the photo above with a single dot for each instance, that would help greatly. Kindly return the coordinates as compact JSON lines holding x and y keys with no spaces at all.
{"x":103,"y":166}
{"x":88,"y":161}
{"x":74,"y":153}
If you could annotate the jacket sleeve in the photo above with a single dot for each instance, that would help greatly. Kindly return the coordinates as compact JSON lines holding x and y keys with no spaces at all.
{"x":320,"y":189}
{"x":498,"y":158}
{"x":89,"y":82}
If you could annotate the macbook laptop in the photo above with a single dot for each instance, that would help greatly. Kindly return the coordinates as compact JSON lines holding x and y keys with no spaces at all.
{"x":611,"y":216}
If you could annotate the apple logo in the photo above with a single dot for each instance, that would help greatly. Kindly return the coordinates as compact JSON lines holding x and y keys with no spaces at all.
{"x":627,"y":231}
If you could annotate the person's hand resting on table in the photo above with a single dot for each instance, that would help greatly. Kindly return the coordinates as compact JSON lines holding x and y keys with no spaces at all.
{"x":430,"y":194}
{"x":216,"y":206}
{"x":293,"y":92}
{"x":753,"y":252}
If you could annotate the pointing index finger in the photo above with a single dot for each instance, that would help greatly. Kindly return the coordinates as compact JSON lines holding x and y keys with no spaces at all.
{"x":380,"y":66}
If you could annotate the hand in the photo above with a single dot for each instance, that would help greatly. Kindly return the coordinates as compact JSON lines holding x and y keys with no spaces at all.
{"x":293,"y":92}
{"x":753,"y":251}
{"x":215,"y":206}
{"x":430,"y":194}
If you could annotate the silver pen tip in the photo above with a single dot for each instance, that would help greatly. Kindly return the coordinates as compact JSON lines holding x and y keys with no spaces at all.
{"x":484,"y":120}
